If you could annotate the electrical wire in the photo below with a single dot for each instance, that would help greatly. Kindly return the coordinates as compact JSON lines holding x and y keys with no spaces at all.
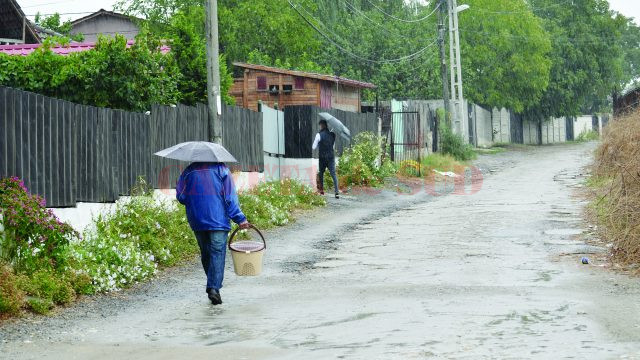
{"x":354,"y":55}
{"x":405,"y":20}
{"x":355,"y":9}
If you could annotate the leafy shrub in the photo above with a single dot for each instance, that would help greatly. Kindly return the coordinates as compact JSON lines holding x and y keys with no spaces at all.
{"x":49,"y":286}
{"x":270,"y":203}
{"x":112,"y":262}
{"x":587,"y":136}
{"x":40,"y":306}
{"x":33,"y":237}
{"x":363,"y":164}
{"x":454,"y":145}
{"x":439,"y":162}
{"x":11,"y":297}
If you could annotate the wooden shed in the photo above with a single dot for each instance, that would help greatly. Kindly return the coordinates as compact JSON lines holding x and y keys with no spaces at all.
{"x":281,"y":87}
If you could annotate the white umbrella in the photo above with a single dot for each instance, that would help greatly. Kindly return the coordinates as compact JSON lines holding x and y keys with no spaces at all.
{"x":336,"y":125}
{"x":198,"y":151}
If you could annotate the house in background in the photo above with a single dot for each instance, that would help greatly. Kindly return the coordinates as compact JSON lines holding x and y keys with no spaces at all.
{"x":280,"y":87}
{"x":103,"y":22}
{"x":15,"y":28}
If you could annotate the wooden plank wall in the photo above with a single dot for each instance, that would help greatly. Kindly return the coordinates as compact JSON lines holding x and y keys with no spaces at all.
{"x":242,"y":136}
{"x":301,"y":125}
{"x":68,"y":152}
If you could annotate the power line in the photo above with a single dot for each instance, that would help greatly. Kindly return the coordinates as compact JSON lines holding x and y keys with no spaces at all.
{"x":354,"y":55}
{"x":61,"y":14}
{"x":355,"y":9}
{"x":49,"y":3}
{"x":404,"y":20}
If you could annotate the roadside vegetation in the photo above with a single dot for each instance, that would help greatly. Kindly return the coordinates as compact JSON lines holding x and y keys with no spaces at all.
{"x":454,"y":145}
{"x":429,"y":165}
{"x":586,"y":136}
{"x":45,"y":263}
{"x":365,"y":163}
{"x":615,"y":185}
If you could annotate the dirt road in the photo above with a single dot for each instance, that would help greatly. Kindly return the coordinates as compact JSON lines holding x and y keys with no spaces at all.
{"x":493,"y":275}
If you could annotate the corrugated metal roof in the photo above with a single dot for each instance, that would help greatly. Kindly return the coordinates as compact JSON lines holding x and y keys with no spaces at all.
{"x":26,"y":49}
{"x":332,"y":78}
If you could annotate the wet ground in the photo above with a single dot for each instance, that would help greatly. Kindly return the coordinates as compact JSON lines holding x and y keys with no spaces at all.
{"x":496,"y":274}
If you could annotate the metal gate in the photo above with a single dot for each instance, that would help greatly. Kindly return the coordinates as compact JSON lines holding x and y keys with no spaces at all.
{"x":405,"y":136}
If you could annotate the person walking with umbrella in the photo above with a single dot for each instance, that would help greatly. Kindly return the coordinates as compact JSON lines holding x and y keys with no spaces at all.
{"x":206,"y":189}
{"x":324,"y":142}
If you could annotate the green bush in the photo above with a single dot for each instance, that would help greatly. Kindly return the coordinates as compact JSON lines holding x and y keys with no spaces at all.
{"x":454,"y":145}
{"x":33,"y":237}
{"x":364,"y":163}
{"x":11,"y":297}
{"x":270,"y":203}
{"x":587,"y":136}
{"x":122,"y":247}
{"x":40,"y":306}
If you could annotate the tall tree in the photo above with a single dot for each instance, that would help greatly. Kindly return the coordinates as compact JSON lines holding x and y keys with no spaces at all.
{"x":586,"y":56}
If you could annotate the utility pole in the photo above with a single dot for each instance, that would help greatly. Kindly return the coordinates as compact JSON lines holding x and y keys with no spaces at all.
{"x":213,"y":72}
{"x":456,"y":67}
{"x":443,"y":61}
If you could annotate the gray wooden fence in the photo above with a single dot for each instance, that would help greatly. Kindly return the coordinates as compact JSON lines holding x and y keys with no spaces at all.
{"x":301,"y":124}
{"x":68,"y":152}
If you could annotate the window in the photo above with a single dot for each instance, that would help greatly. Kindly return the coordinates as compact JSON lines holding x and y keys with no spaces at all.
{"x":299,"y":83}
{"x":262,"y":83}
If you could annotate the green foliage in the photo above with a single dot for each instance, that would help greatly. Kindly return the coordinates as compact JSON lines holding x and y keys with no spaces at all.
{"x":364,"y":163}
{"x":271,"y":28}
{"x":40,"y":306}
{"x":54,"y":22}
{"x":188,"y":47}
{"x":271,"y":203}
{"x":111,"y":75}
{"x":439,"y":162}
{"x":586,"y":56}
{"x":33,"y":237}
{"x":454,"y":145}
{"x":586,"y":136}
{"x":11,"y":297}
{"x":505,"y":58}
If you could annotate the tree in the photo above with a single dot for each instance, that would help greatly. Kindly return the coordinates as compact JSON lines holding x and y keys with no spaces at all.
{"x":268,"y":29}
{"x":53,"y":22}
{"x":586,"y":56}
{"x":188,"y":46}
{"x":505,"y":52}
{"x":630,"y":43}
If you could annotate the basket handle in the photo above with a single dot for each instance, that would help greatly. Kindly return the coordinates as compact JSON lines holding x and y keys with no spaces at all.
{"x":233,"y":234}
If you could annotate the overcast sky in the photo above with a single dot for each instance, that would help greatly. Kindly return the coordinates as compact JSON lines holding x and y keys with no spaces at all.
{"x":629,"y":8}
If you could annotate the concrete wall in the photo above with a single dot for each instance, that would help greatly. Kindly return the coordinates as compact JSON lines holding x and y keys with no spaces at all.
{"x":582,"y":124}
{"x":501,"y":122}
{"x":106,"y":25}
{"x":482,"y":125}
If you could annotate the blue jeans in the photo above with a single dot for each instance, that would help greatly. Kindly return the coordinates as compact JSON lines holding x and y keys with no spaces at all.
{"x":331,"y":165}
{"x":213,"y":248}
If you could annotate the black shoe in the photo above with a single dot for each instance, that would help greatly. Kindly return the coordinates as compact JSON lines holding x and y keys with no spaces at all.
{"x":214,"y":296}
{"x":337,"y":196}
